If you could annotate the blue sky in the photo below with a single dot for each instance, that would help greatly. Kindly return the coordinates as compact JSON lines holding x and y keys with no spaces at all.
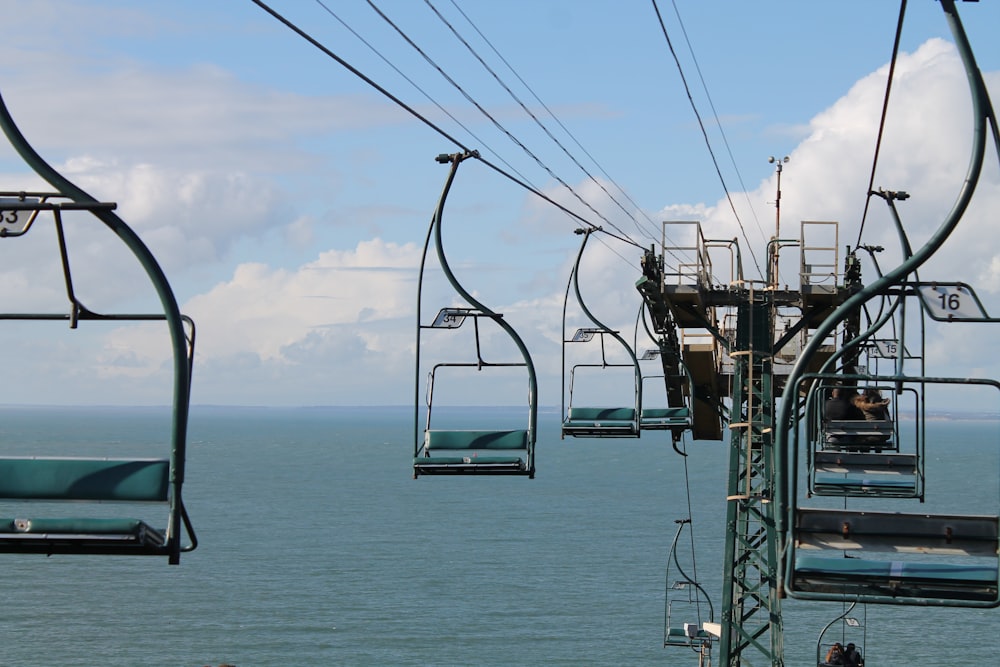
{"x":287,"y":200}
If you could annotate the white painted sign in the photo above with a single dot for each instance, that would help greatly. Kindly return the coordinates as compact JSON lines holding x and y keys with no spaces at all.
{"x":887,"y":349}
{"x":950,"y":302}
{"x":15,"y":221}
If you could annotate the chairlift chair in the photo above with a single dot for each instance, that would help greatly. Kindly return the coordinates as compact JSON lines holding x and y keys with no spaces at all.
{"x":669,"y":417}
{"x":464,"y":451}
{"x":931,"y":557}
{"x":863,"y":458}
{"x":619,"y":421}
{"x":73,"y":503}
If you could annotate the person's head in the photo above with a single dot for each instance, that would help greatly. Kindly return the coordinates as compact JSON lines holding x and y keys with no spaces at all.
{"x":850,"y":647}
{"x":873,"y":394}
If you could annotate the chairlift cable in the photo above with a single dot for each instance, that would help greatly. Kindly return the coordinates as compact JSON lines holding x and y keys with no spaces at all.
{"x":718,"y":123}
{"x":704,"y":134}
{"x":490,"y":116}
{"x":881,"y":125}
{"x":413,"y":112}
{"x":555,"y":118}
{"x":413,"y":83}
{"x":535,"y":118}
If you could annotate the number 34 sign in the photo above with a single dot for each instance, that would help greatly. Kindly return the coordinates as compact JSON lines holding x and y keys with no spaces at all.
{"x":954,"y":302}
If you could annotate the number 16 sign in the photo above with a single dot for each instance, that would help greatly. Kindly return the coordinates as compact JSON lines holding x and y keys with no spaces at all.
{"x":954,"y":302}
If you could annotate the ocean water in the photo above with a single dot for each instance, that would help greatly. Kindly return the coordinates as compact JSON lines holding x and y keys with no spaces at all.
{"x":318,"y":548}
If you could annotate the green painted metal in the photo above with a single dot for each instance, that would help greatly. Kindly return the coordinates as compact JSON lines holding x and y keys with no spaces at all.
{"x":763,"y":451}
{"x":693,"y":607}
{"x":478,"y":310}
{"x":928,"y":550}
{"x":752,"y":628}
{"x":477,"y":439}
{"x":865,"y":485}
{"x":976,"y":580}
{"x":572,"y":414}
{"x":82,"y":536}
{"x":181,"y":342}
{"x":983,"y":116}
{"x":664,"y":417}
{"x":84,"y":479}
{"x":601,"y":422}
{"x":124,"y":528}
{"x":471,"y":444}
{"x":602,"y":414}
{"x":751,"y":625}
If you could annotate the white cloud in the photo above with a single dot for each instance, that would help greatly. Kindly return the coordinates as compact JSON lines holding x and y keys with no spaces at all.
{"x":205,"y":164}
{"x":925,"y":151}
{"x":265,"y":310}
{"x":186,"y":217}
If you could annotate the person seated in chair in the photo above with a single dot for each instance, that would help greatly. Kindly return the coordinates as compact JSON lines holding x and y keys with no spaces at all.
{"x":852,"y":657}
{"x":842,"y":405}
{"x":835,"y":656}
{"x":872,"y":405}
{"x":874,"y":408}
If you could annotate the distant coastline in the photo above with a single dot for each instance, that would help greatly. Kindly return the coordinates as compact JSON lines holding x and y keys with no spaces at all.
{"x":932,"y":415}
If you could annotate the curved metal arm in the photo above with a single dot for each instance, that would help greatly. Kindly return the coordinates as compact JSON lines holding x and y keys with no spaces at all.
{"x":907,"y":250}
{"x":983,"y":114}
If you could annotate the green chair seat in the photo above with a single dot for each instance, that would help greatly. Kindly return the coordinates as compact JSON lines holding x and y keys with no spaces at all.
{"x":71,"y":526}
{"x":664,"y":418}
{"x":676,"y":636}
{"x":83,"y":481}
{"x":469,"y":465}
{"x":597,"y":422}
{"x":902,"y":570}
{"x":463,"y":453}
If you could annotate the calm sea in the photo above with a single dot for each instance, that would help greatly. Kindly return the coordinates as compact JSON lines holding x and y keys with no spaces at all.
{"x":318,"y":548}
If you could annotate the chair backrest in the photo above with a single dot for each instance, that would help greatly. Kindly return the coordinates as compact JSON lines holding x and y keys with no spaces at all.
{"x":79,"y":479}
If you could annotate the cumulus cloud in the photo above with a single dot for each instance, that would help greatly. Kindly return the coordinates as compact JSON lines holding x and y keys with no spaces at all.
{"x":270,"y":311}
{"x":827,"y":176}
